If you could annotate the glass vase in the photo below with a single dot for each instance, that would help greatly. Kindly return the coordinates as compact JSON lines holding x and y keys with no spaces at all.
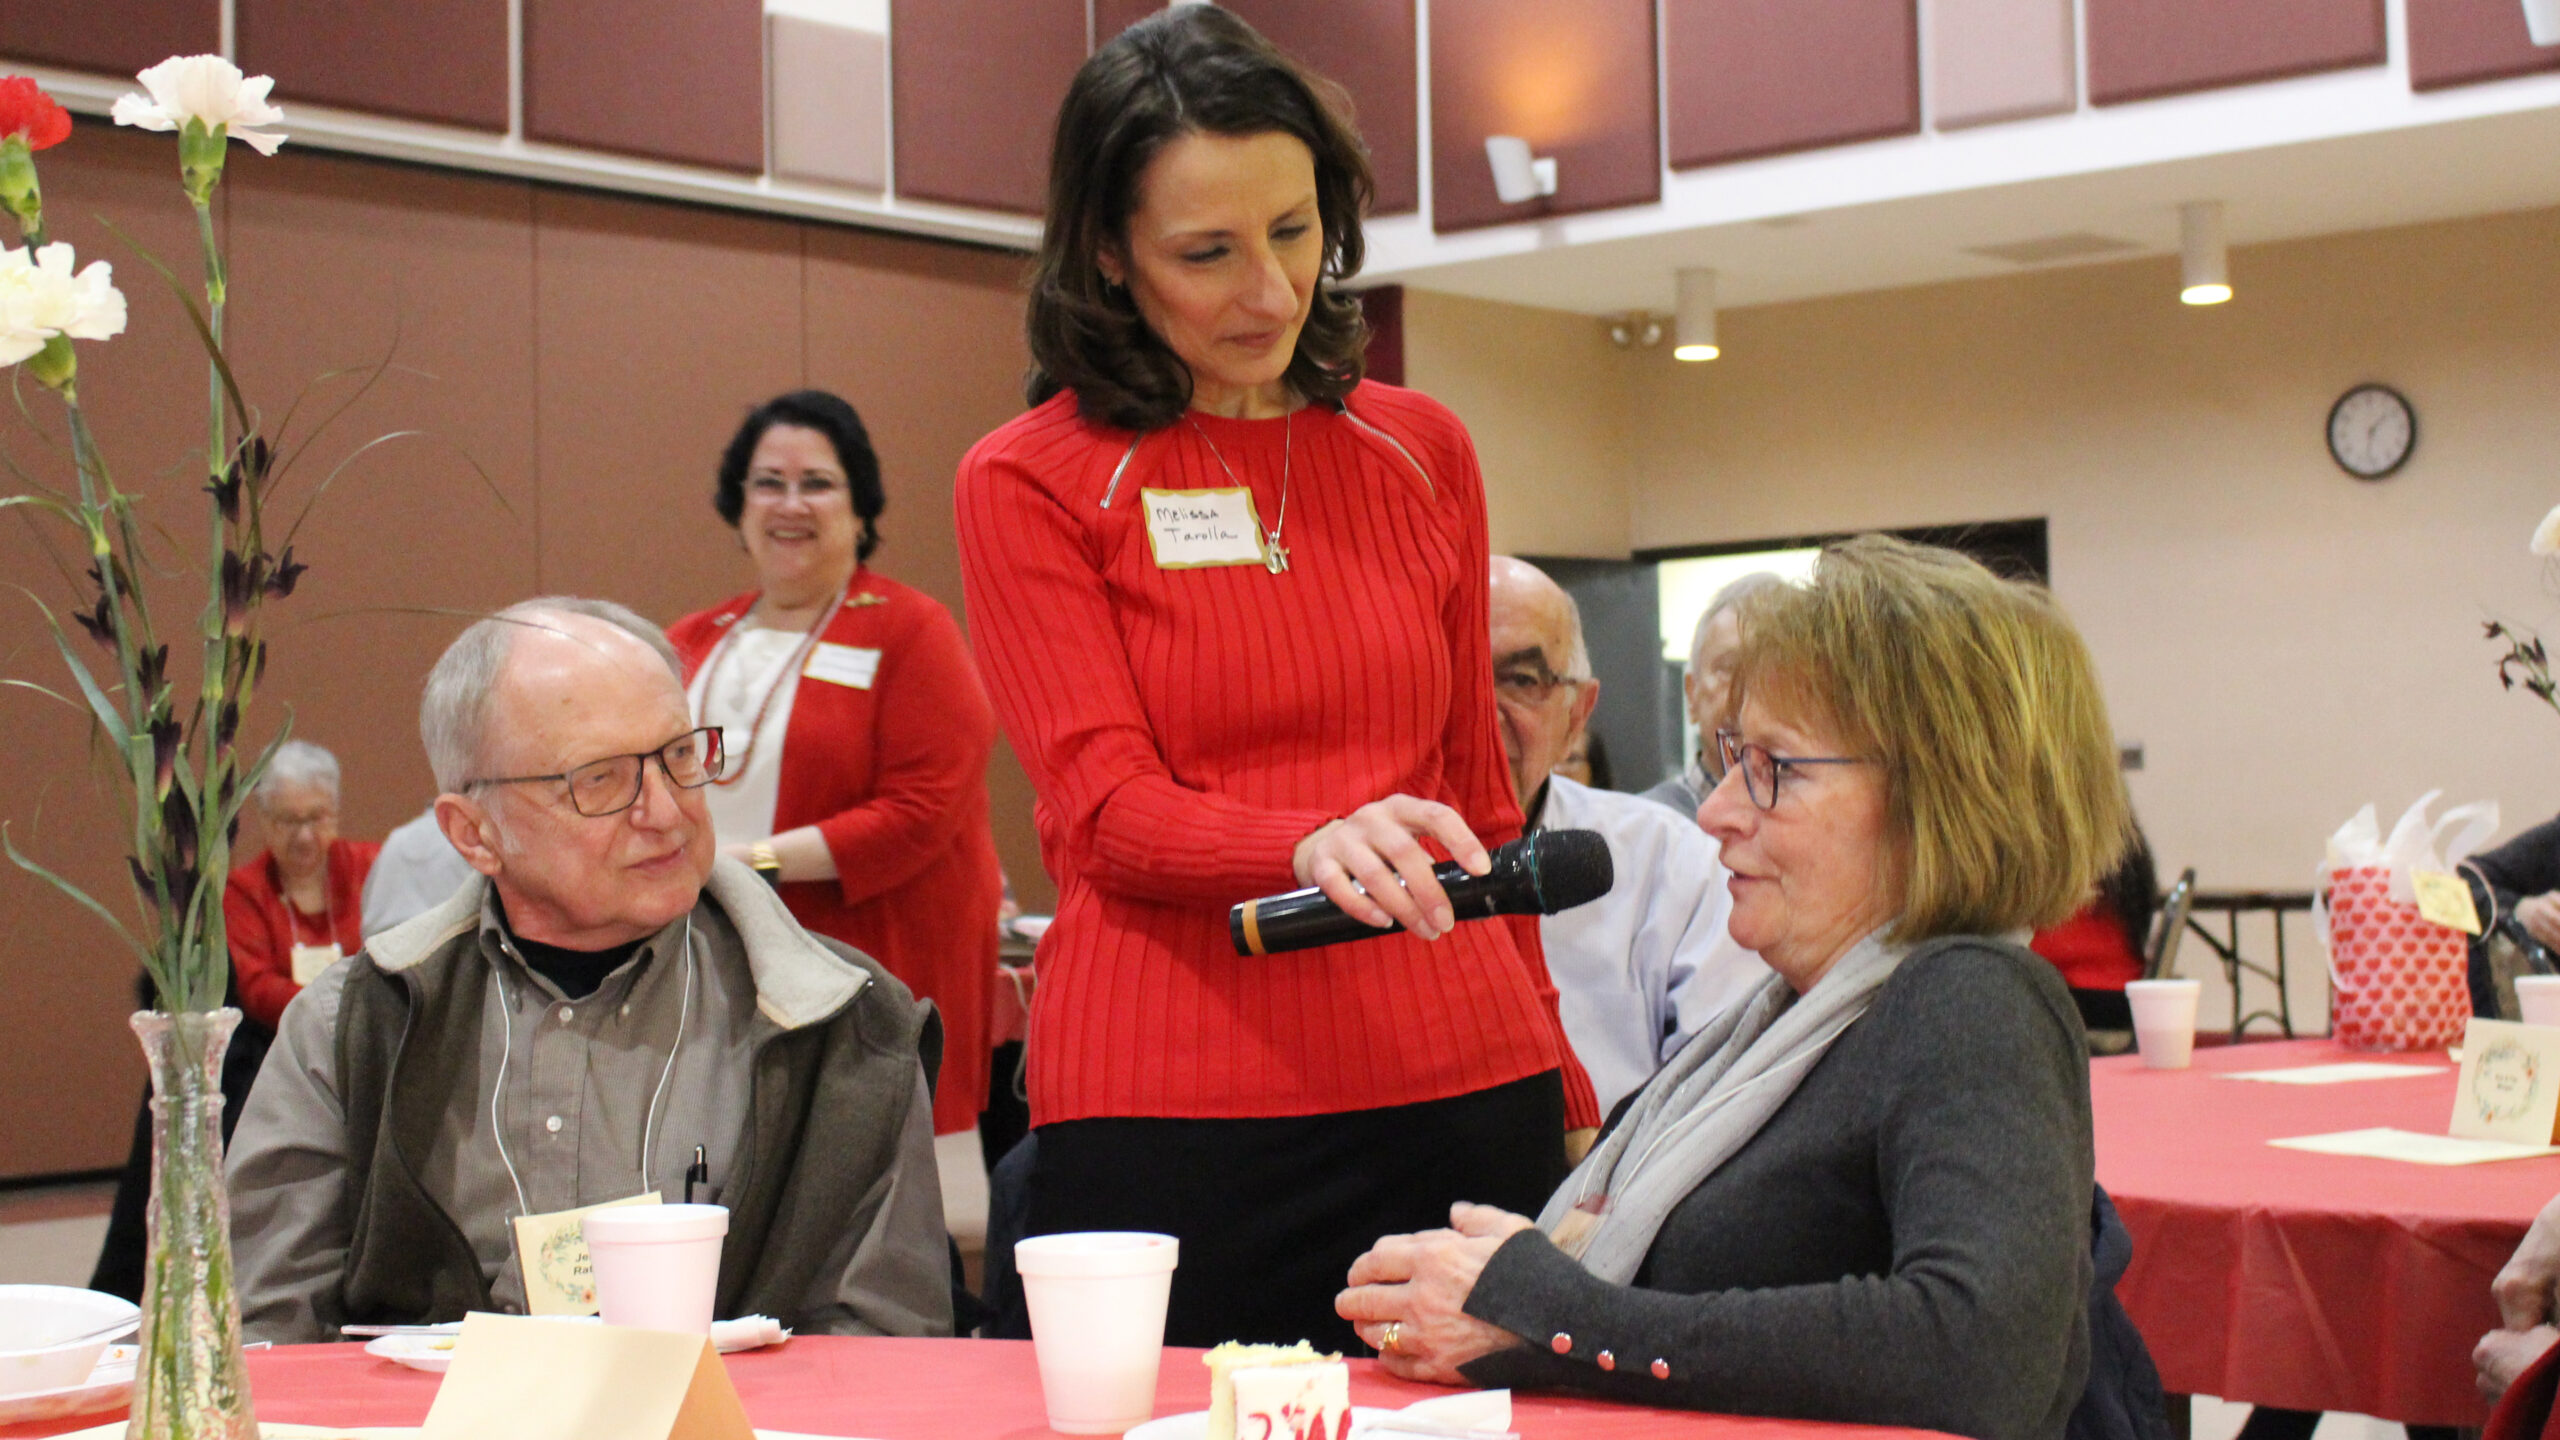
{"x":189,"y":1381}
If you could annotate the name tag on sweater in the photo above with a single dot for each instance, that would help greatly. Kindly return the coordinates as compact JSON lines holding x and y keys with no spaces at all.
{"x":842,"y":665}
{"x":310,"y":960}
{"x":559,"y":1276}
{"x":1191,"y":528}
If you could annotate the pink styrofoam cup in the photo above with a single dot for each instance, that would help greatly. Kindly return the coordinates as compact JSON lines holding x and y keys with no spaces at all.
{"x":2164,"y":1020}
{"x":2538,"y":999}
{"x":657,"y":1266}
{"x":1097,"y":1301}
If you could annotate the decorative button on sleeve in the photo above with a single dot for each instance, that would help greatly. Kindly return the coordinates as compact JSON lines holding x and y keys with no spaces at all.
{"x":1562,"y":1344}
{"x":1661,"y":1368}
{"x":1606,"y":1360}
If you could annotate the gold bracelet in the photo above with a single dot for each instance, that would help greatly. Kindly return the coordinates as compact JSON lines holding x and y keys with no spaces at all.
{"x":762,"y":860}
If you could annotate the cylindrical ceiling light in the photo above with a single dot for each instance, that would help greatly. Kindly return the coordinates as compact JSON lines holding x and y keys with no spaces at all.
{"x":1693,"y":329}
{"x":2205,"y":259}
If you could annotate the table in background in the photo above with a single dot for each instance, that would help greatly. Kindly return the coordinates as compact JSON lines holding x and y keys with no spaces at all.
{"x":2231,"y":905}
{"x":2310,"y":1282}
{"x":937,"y":1390}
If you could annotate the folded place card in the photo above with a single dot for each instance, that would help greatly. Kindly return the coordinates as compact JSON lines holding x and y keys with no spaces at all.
{"x":2338,"y":1074}
{"x":2510,"y":1086}
{"x":2416,"y":1149}
{"x":530,"y":1379}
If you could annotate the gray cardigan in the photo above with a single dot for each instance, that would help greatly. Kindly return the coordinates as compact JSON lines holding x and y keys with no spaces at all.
{"x":1906,"y":1243}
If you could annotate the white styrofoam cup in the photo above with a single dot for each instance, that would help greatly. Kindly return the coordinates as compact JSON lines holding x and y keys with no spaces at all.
{"x":2538,"y":996}
{"x":1097,"y":1301}
{"x":657,"y":1266}
{"x":2164,"y":1020}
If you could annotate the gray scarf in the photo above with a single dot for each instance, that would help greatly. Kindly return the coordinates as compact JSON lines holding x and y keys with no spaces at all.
{"x":1704,"y":1106}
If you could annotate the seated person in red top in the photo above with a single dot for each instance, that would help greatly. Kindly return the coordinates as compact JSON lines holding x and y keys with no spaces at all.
{"x":297,"y":906}
{"x":2101,"y":947}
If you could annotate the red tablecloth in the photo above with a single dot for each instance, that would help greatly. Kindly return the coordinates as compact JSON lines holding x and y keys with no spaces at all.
{"x":2312,"y":1282}
{"x":935,"y":1390}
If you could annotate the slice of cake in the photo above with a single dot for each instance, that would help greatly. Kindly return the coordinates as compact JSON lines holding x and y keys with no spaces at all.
{"x":1277,"y":1392}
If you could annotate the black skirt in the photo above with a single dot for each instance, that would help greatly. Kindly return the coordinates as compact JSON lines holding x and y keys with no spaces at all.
{"x":1271,"y":1213}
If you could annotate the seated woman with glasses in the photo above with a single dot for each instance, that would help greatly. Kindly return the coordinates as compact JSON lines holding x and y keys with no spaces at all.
{"x":1865,"y":1193}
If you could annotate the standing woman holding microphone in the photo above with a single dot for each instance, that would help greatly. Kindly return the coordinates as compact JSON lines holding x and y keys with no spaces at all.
{"x":1231,"y":603}
{"x":857,"y":731}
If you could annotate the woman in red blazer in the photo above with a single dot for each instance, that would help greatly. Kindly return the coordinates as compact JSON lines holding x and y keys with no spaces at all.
{"x":298,"y":906}
{"x":857,"y":731}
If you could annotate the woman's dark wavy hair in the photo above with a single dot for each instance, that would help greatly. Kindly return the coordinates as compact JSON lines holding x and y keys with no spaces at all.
{"x":829,"y":415}
{"x":1194,"y":69}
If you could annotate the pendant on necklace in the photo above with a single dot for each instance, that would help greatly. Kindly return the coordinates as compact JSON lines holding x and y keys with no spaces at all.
{"x":1275,"y":557}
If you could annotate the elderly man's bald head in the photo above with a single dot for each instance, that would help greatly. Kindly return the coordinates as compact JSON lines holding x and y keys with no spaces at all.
{"x":1543,"y":690}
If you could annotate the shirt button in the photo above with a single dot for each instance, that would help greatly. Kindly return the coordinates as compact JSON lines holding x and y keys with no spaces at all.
{"x":1562,"y":1344}
{"x":1661,"y":1369}
{"x":1605,"y":1360}
{"x":553,"y":1125}
{"x":567,"y":1014}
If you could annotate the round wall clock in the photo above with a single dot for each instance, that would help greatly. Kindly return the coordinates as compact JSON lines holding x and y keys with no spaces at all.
{"x":2372,"y":429}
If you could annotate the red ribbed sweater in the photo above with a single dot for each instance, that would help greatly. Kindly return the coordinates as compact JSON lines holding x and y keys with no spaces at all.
{"x":1185,"y":728}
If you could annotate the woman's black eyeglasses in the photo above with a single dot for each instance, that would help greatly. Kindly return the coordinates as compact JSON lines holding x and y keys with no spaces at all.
{"x":1762,"y":770}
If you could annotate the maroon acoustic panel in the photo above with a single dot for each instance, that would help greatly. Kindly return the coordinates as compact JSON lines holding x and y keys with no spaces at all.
{"x":443,"y":60}
{"x":2458,"y":42}
{"x":1383,"y":308}
{"x":1575,"y":81}
{"x":2139,"y":49}
{"x":1368,"y":48}
{"x":1110,"y":17}
{"x":678,"y":80}
{"x":974,"y":88}
{"x":1750,"y":78}
{"x":117,"y":36}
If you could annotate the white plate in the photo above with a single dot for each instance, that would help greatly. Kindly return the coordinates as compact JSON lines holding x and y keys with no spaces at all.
{"x":431,"y":1353}
{"x":106,"y":1388}
{"x":1195,"y":1424}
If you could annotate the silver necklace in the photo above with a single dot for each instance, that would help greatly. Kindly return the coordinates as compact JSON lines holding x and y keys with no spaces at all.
{"x":1275,"y":556}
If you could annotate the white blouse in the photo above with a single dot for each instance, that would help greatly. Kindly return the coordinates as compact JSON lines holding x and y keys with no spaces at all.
{"x":750,"y":663}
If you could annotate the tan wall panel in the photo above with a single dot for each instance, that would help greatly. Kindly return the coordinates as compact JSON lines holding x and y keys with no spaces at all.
{"x":2288,"y":643}
{"x":661,"y":326}
{"x":443,"y":60}
{"x":2143,"y":48}
{"x":1577,"y":82}
{"x":350,"y":263}
{"x":1995,"y":60}
{"x":926,"y":341}
{"x":675,"y":79}
{"x":70,"y":1072}
{"x":980,"y":99}
{"x":115,"y":36}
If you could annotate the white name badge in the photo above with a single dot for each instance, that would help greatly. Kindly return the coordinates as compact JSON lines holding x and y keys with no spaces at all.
{"x":310,"y":960}
{"x":842,"y":665}
{"x":1192,"y":528}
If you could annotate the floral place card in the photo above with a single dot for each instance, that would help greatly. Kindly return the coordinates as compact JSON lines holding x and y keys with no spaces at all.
{"x":2510,"y":1085}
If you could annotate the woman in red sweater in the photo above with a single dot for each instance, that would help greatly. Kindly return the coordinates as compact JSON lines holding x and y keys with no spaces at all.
{"x":857,"y":732}
{"x":1231,"y":602}
{"x":299,"y":906}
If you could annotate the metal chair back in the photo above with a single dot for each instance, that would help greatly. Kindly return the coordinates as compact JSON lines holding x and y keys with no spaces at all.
{"x":2162,"y":961}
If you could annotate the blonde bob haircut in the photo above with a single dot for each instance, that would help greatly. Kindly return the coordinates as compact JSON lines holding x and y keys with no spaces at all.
{"x":1980,"y":703}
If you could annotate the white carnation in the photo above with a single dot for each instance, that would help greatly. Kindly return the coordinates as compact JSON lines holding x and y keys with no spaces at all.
{"x":204,"y":88}
{"x":41,"y":296}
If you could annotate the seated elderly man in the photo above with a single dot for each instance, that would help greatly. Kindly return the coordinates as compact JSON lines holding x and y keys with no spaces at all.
{"x":1706,"y":687}
{"x":1641,"y":969}
{"x":571,"y":1026}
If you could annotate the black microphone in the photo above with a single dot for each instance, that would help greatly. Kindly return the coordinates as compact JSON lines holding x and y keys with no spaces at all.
{"x":1539,"y":874}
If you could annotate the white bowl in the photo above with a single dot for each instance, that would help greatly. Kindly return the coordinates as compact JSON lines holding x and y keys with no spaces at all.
{"x":36,"y":1319}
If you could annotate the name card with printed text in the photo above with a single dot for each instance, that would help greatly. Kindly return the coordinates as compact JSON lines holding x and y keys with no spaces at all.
{"x":853,"y":666}
{"x":2510,"y":1086}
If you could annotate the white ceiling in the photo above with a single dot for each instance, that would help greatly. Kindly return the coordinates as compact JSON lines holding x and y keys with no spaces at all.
{"x":2292,"y":159}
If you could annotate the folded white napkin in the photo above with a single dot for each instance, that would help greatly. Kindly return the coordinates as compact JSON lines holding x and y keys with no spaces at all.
{"x":747,"y":1332}
{"x":1474,"y":1413}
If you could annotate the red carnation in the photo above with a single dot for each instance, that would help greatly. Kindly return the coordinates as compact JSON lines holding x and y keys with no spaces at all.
{"x":29,"y":114}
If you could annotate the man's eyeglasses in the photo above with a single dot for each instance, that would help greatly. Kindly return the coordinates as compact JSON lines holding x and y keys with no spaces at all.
{"x":1528,"y":685}
{"x":1762,"y":770}
{"x":612,"y":785}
